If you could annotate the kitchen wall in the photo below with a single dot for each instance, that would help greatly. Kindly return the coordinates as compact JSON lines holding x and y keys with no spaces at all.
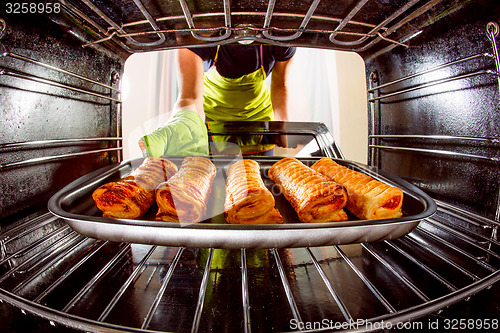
{"x":147,"y":93}
{"x":330,"y":87}
{"x":351,"y":112}
{"x":325,"y":86}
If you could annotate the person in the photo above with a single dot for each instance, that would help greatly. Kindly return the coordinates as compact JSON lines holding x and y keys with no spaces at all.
{"x":222,"y":83}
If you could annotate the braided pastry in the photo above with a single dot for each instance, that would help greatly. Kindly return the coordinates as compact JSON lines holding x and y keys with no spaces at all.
{"x":369,"y":199}
{"x":314,"y":197}
{"x":184,"y":197}
{"x":132,"y":196}
{"x":248,"y":201}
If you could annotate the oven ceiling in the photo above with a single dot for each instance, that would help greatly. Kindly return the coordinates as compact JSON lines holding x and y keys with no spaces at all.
{"x":363,"y":26}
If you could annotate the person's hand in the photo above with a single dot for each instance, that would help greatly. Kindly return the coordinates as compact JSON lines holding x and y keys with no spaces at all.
{"x":185,"y":134}
{"x":280,"y":140}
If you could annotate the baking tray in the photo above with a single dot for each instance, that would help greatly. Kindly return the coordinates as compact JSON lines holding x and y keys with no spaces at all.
{"x":74,"y":204}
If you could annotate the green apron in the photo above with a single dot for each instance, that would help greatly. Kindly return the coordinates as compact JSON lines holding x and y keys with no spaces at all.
{"x":232,"y":99}
{"x":235,"y":99}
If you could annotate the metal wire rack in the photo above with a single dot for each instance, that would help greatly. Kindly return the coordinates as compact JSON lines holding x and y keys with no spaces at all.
{"x":376,"y":94}
{"x":110,"y":94}
{"x":91,"y":284}
{"x":348,"y":26}
{"x":51,"y":271}
{"x":26,"y":76}
{"x":379,"y":93}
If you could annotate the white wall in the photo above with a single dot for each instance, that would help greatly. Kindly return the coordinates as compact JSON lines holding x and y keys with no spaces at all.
{"x":144,"y":107}
{"x":325,"y":86}
{"x":351,"y":112}
{"x":329,"y":86}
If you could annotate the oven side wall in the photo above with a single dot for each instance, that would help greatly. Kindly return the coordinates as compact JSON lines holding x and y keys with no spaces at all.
{"x":468,"y":108}
{"x":34,"y":111}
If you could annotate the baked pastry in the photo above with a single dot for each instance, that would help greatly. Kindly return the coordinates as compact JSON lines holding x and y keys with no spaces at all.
{"x":248,"y":201}
{"x":314,"y":197}
{"x":184,"y":197}
{"x":369,"y":198}
{"x":132,"y":196}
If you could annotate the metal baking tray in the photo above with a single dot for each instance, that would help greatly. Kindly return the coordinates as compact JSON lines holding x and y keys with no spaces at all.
{"x":74,"y":204}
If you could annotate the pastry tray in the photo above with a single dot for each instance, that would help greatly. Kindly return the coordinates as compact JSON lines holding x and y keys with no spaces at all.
{"x":74,"y":204}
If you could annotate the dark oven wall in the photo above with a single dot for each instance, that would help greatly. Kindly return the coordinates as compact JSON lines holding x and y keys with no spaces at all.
{"x":55,"y":126}
{"x":458,"y":102}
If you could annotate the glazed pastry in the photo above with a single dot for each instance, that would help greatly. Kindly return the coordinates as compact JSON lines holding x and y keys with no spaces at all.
{"x":132,"y":196}
{"x":184,"y":197}
{"x":314,"y":197}
{"x":369,"y":199}
{"x":248,"y":201}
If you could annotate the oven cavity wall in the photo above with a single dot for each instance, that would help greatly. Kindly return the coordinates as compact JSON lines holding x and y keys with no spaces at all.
{"x":434,"y":113}
{"x":60,"y":107}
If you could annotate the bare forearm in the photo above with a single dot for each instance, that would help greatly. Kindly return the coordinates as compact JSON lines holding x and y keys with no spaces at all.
{"x":279,"y":90}
{"x":190,"y":80}
{"x":193,"y":104}
{"x":279,"y":99}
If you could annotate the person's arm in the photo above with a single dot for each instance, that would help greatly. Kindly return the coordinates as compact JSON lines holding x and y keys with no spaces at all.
{"x":279,"y":90}
{"x":190,"y":81}
{"x":185,"y":133}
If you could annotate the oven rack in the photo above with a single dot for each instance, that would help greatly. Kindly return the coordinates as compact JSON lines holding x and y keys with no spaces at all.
{"x":55,"y":143}
{"x":376,"y":95}
{"x":35,"y":78}
{"x":435,"y":266}
{"x":275,"y":24}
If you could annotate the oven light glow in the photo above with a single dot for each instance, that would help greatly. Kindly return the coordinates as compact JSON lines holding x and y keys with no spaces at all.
{"x":246,"y":33}
{"x":125,"y":87}
{"x":413,"y":35}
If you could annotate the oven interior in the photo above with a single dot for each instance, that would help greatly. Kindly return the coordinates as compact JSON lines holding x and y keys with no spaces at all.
{"x":432,"y":69}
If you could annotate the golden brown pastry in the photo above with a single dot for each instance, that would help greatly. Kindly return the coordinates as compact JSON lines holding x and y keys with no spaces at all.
{"x":248,"y":201}
{"x":184,"y":197}
{"x":132,"y":196}
{"x":369,"y":199}
{"x":314,"y":197}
